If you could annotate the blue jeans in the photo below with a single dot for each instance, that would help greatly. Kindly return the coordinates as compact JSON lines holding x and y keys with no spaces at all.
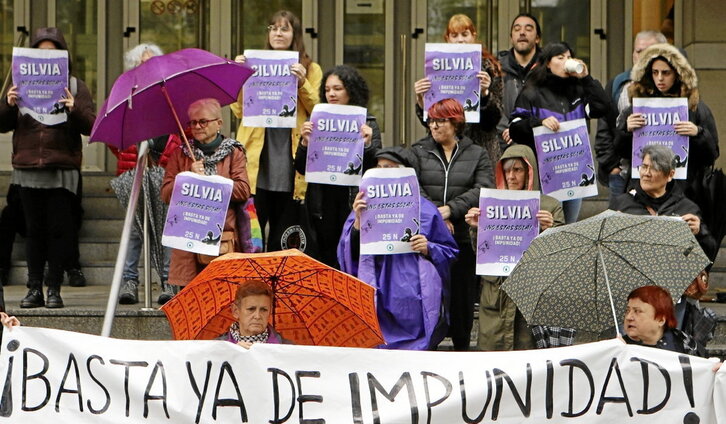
{"x":133,"y":253}
{"x":572,"y":210}
{"x":616,"y":184}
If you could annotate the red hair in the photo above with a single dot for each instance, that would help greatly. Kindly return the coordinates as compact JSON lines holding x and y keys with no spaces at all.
{"x":460,"y":23}
{"x":448,"y":109}
{"x":660,"y":300}
{"x":252,"y":288}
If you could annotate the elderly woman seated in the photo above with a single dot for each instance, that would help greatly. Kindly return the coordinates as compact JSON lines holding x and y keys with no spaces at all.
{"x":650,"y":321}
{"x":251,"y":311}
{"x":658,"y":194}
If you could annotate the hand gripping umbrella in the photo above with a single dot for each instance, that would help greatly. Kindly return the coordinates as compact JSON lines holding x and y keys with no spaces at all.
{"x":313,"y":304}
{"x":152,"y":99}
{"x":580,"y":275}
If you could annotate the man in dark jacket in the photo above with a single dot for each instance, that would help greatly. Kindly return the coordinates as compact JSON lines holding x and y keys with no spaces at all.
{"x":516,"y":63}
{"x":47,"y":163}
{"x":612,"y":169}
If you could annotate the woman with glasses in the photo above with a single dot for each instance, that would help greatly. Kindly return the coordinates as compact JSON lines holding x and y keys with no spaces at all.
{"x":213,"y":154}
{"x":657,"y":194}
{"x":552,"y":95}
{"x":451,"y":169}
{"x":327,"y":205}
{"x":461,"y":30}
{"x":662,"y":71}
{"x":271,"y":151}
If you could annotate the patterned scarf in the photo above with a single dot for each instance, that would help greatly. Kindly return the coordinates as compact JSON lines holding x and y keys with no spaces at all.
{"x":237,"y":337}
{"x":210,"y":162}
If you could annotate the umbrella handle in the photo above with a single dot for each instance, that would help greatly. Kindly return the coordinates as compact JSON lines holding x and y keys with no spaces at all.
{"x":610,"y":293}
{"x":176,"y":118}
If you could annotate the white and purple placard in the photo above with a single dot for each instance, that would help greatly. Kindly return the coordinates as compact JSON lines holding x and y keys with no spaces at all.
{"x":197,"y":212}
{"x":507,"y":225}
{"x":661,"y":114}
{"x":41,"y":76}
{"x":566,"y":168}
{"x":452,"y":69}
{"x":335,"y":150}
{"x":270,"y":94}
{"x":393,"y":212}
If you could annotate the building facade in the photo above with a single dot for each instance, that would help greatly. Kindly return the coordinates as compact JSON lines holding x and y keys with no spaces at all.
{"x":383,"y":38}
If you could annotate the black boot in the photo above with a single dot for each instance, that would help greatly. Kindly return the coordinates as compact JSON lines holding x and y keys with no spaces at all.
{"x":54,"y":298}
{"x":34,"y":298}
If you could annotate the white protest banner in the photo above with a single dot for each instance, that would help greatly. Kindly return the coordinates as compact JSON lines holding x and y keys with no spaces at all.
{"x":58,"y":376}
{"x":507,"y":225}
{"x":335,"y":150}
{"x":41,"y":76}
{"x":270,"y":94}
{"x":197,"y":211}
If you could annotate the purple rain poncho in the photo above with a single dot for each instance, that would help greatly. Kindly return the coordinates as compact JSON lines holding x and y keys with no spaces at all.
{"x":410,"y":287}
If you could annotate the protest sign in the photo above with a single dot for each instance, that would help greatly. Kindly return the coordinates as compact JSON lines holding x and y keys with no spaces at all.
{"x":270,"y":94}
{"x":507,"y":225}
{"x":660,"y":115}
{"x":61,"y":376}
{"x":335,"y":150}
{"x":197,"y":211}
{"x":393,"y":211}
{"x":566,"y":169}
{"x":452,"y":69}
{"x":41,"y":76}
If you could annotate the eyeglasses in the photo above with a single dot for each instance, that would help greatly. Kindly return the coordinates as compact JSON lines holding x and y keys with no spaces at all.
{"x":202,"y":122}
{"x":437,"y":121}
{"x":275,"y":28}
{"x":644,"y":169}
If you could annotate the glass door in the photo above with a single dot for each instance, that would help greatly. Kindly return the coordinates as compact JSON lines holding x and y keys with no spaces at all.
{"x":363,"y":27}
{"x":12,"y":16}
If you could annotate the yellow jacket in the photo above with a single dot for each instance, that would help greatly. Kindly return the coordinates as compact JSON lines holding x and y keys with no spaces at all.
{"x":253,"y":138}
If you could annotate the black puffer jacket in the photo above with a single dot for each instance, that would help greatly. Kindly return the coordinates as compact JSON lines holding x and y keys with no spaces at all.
{"x":564,"y":98}
{"x":514,"y":77}
{"x":456,"y":184}
{"x":673,"y":203}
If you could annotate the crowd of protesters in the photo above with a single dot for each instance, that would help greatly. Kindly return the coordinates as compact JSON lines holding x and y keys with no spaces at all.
{"x":522,"y":88}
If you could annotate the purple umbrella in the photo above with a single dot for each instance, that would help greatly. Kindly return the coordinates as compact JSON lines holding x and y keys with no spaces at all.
{"x":152,"y":99}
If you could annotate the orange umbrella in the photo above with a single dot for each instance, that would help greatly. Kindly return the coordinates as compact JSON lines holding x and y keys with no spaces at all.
{"x":313,"y":303}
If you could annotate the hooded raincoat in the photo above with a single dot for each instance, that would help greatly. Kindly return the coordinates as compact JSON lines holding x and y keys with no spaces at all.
{"x":410,"y":286}
{"x":703,"y":147}
{"x":501,"y":325}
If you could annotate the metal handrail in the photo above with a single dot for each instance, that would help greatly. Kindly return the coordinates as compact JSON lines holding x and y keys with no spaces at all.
{"x":123,"y":245}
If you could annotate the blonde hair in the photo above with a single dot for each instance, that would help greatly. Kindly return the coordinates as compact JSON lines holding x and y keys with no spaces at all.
{"x":209,"y":104}
{"x":459,"y":23}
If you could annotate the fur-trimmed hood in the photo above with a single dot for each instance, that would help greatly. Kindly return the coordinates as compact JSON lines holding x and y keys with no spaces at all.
{"x":643,"y":86}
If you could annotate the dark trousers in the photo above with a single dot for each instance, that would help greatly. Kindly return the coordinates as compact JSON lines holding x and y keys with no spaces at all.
{"x":50,"y":233}
{"x":328,"y":226}
{"x":270,"y":210}
{"x":11,"y":222}
{"x":463,"y":296}
{"x":74,"y":259}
